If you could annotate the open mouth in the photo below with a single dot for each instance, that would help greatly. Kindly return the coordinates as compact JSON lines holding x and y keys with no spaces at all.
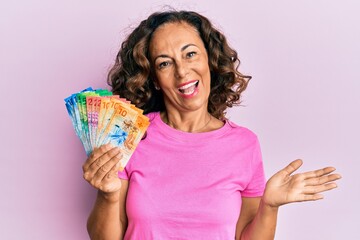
{"x":189,"y":88}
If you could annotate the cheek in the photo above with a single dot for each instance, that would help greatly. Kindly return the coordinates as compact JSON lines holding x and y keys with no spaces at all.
{"x":205,"y":72}
{"x":166,"y":83}
{"x":161,"y":78}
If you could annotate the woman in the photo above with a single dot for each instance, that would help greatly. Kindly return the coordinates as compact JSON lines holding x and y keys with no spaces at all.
{"x":195,"y":175}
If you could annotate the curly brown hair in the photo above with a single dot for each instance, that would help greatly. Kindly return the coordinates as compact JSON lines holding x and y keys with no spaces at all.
{"x":132,"y":75}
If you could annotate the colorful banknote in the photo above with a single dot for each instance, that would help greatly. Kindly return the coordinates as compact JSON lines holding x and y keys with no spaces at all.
{"x":98,"y":118}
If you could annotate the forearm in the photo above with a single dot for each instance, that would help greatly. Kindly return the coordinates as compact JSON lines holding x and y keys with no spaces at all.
{"x":104,"y":222}
{"x":263,"y":226}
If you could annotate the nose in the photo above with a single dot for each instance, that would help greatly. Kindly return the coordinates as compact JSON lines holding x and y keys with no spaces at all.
{"x":181,"y":70}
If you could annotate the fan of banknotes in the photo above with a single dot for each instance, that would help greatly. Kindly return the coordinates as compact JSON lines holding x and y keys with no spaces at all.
{"x":99,"y":117}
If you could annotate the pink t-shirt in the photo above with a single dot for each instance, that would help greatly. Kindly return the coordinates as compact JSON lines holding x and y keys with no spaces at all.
{"x":189,"y":185}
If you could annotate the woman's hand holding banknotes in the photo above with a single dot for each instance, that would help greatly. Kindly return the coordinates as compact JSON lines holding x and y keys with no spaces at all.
{"x":101,"y":170}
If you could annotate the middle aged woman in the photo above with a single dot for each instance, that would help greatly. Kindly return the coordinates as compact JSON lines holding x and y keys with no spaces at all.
{"x":196,"y":175}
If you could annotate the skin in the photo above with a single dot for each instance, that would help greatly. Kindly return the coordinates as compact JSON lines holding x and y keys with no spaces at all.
{"x":108,"y":218}
{"x":178,"y":56}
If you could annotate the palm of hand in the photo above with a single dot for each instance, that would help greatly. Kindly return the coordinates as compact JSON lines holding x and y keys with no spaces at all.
{"x":283,"y":188}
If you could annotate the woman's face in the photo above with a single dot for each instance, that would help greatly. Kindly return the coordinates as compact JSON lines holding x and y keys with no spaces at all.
{"x":180,"y":62}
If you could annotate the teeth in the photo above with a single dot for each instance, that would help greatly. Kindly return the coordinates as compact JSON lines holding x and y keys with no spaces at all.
{"x":188,"y":85}
{"x":189,"y":88}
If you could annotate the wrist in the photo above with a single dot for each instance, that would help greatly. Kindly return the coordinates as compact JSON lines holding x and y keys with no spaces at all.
{"x":112,"y":197}
{"x":269,"y":199}
{"x":268,"y":206}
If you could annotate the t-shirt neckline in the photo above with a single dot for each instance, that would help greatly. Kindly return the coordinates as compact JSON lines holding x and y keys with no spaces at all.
{"x":181,"y":135}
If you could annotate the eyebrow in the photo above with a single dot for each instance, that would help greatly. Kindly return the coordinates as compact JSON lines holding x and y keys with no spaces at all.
{"x":181,"y":49}
{"x":187,"y":45}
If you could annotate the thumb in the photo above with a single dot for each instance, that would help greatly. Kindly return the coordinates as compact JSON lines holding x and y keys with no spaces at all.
{"x":293,"y":166}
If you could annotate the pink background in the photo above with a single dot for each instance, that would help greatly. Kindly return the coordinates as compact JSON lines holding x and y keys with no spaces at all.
{"x":303,"y":102}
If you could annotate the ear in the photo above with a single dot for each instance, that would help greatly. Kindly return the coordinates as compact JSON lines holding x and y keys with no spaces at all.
{"x":157,"y":87}
{"x":153,"y":79}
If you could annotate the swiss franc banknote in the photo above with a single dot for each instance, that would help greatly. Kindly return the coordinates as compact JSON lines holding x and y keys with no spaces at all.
{"x":99,"y":117}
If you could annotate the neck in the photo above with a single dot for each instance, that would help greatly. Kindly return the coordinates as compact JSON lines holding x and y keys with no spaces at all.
{"x":193,"y":123}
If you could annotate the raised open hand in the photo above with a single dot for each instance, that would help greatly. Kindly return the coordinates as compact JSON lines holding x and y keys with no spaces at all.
{"x":101,"y":169}
{"x":283,"y":188}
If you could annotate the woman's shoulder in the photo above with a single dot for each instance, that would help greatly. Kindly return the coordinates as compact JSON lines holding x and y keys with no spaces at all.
{"x":152,"y":115}
{"x":241,"y":130}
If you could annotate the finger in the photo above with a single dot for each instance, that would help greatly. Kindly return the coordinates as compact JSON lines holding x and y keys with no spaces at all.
{"x":98,"y":163}
{"x":322,"y":180}
{"x":312,"y":197}
{"x":96,"y":153}
{"x":106,"y":170}
{"x":319,"y":188}
{"x":117,"y":166}
{"x":114,"y":172}
{"x":319,"y":172}
{"x":293,"y":166}
{"x":114,"y":165}
{"x":111,"y":175}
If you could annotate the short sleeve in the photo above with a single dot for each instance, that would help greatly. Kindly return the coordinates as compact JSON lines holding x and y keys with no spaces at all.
{"x":256,"y":186}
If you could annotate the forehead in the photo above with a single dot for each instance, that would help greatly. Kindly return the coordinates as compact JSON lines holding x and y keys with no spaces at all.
{"x":174,"y":35}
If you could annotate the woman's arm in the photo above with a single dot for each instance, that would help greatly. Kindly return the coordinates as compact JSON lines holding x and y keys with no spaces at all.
{"x":108,"y":218}
{"x":258,"y":221}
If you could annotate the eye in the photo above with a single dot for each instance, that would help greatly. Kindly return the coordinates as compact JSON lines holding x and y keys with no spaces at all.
{"x":190,"y":54}
{"x":163,"y":64}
